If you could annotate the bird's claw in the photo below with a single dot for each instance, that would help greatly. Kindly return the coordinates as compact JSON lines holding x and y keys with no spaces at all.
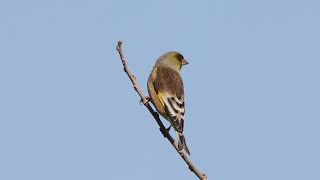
{"x":181,"y":152}
{"x":145,"y":101}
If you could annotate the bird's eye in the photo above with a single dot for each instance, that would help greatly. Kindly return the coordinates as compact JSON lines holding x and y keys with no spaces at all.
{"x":180,"y":57}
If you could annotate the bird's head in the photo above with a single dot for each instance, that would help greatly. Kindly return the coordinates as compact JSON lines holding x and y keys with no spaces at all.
{"x":172,"y":60}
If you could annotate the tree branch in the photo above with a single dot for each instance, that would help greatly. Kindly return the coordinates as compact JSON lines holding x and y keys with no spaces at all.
{"x":162,"y":128}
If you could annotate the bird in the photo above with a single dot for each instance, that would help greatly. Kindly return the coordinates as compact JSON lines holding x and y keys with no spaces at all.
{"x":166,"y":92}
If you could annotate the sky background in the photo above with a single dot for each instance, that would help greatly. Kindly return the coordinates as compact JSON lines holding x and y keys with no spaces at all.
{"x":68,"y":111}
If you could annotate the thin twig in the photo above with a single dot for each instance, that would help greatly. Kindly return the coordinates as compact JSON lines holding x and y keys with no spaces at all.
{"x":162,"y":128}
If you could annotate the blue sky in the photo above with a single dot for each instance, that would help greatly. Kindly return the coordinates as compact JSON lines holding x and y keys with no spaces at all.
{"x":67,"y":110}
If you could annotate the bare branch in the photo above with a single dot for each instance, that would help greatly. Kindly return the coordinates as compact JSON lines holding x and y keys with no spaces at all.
{"x":145,"y":101}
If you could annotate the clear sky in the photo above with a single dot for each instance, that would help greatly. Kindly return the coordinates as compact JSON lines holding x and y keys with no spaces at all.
{"x":67,"y":110}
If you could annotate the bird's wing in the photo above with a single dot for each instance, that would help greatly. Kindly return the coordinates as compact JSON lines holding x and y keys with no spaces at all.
{"x":169,"y":88}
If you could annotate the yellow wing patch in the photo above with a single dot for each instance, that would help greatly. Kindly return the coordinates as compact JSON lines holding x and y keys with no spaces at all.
{"x":160,"y":98}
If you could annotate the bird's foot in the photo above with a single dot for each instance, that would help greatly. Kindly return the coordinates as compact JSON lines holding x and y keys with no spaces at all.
{"x":145,"y":101}
{"x":180,"y":150}
{"x":148,"y":99}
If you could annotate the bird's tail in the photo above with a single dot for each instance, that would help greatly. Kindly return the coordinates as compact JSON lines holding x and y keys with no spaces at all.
{"x":182,"y":143}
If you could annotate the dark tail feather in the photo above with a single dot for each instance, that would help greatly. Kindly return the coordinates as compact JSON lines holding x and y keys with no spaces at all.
{"x":182,"y":143}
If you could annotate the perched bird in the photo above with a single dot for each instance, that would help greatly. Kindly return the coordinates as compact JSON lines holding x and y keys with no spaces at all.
{"x":166,"y":92}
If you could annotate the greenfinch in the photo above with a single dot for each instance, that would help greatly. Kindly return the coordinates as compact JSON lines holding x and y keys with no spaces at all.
{"x":166,"y":92}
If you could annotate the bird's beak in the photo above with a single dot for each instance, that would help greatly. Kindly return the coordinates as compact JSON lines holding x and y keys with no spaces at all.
{"x":184,"y":62}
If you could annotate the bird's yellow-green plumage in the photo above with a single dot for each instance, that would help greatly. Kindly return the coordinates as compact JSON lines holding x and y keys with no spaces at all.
{"x":166,"y":91}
